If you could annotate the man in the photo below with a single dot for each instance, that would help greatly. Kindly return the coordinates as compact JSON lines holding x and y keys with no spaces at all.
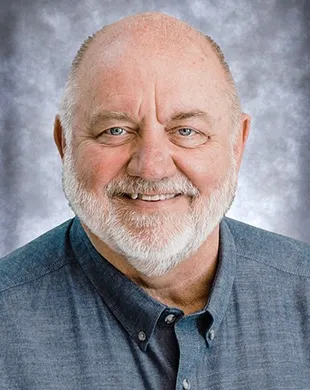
{"x":149,"y":286}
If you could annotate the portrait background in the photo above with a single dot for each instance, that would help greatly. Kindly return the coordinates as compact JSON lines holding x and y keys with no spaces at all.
{"x":267,"y":45}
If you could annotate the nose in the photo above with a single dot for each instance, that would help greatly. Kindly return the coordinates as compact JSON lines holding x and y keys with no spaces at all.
{"x":152,"y":159}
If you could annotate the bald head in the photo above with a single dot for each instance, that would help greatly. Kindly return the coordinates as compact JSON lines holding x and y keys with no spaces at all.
{"x":152,"y":27}
{"x":153,"y":34}
{"x":142,"y":29}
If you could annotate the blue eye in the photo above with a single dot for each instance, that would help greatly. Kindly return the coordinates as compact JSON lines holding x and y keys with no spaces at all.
{"x":185,"y":131}
{"x":116,"y":131}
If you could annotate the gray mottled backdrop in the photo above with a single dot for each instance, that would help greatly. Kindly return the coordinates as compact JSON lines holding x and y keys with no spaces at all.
{"x":265,"y":42}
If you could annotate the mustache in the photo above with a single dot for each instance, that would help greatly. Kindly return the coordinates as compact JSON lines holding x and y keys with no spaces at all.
{"x":137,"y":185}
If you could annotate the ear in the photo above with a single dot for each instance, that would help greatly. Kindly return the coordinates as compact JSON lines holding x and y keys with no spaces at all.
{"x":242,"y":136}
{"x":59,"y":137}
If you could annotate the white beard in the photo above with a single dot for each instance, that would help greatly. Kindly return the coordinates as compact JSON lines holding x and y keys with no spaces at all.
{"x":152,"y":243}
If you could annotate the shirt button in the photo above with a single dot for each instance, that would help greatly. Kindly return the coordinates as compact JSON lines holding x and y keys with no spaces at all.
{"x":186,"y":384}
{"x":169,"y":319}
{"x":141,"y":335}
{"x":211,"y":334}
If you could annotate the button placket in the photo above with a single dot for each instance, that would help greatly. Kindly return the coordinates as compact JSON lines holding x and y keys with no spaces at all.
{"x":190,"y":343}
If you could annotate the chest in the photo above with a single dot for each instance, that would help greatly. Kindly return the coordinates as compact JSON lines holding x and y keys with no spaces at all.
{"x":96,"y":352}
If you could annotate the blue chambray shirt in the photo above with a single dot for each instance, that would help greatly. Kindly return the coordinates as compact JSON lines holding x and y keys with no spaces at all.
{"x":70,"y":320}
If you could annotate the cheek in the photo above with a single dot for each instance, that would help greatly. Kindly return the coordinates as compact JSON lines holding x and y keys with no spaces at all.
{"x":96,"y":166}
{"x":206,"y":170}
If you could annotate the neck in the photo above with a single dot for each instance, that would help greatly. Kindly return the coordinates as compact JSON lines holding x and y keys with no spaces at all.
{"x":187,"y":286}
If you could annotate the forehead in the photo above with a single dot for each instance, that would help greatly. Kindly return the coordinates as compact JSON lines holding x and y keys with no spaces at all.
{"x":122,"y":75}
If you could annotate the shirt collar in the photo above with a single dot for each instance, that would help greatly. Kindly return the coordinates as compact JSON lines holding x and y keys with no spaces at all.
{"x":133,"y":307}
{"x":136,"y":311}
{"x":223,"y":282}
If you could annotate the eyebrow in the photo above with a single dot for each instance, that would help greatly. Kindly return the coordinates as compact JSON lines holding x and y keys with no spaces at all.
{"x":190,"y":114}
{"x":106,"y":115}
{"x":178,"y":116}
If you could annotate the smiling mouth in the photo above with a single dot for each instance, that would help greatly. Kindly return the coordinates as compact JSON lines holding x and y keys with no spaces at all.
{"x":151,"y":198}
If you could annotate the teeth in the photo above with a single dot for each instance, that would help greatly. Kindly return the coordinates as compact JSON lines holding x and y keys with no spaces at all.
{"x":149,"y":197}
{"x":152,"y":197}
{"x":168,"y":196}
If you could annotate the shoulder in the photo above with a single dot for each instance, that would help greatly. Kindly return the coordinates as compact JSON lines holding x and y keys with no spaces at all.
{"x":39,"y":257}
{"x":275,"y":250}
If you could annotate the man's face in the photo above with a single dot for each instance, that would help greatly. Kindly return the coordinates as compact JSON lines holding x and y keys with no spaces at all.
{"x":151,"y":122}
